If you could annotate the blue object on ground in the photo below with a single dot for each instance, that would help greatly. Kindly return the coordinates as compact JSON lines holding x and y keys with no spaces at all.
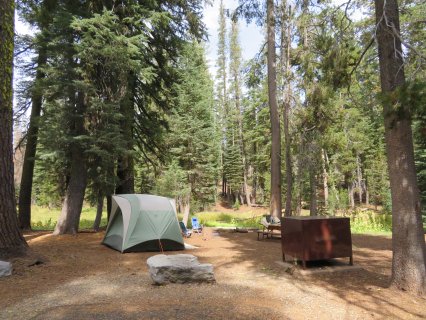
{"x":196,"y":227}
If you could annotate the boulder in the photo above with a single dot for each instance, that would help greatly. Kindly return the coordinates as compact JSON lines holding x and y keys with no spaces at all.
{"x":5,"y":269}
{"x":179,"y":268}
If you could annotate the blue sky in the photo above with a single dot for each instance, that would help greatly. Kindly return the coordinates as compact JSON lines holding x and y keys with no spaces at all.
{"x":251,"y":36}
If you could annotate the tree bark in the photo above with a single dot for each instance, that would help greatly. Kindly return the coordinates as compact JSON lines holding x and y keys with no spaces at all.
{"x":186,"y":209}
{"x":275,"y":120}
{"x":99,"y":209}
{"x":367,"y":194}
{"x":69,"y":218}
{"x":243,"y":154}
{"x":11,"y":241}
{"x":359,"y":178}
{"x":125,"y":167}
{"x":30,"y":148}
{"x":351,"y":195}
{"x":285,"y":60}
{"x":313,"y":207}
{"x":125,"y":175}
{"x":109,"y":206}
{"x":408,"y":244}
{"x":325,"y":177}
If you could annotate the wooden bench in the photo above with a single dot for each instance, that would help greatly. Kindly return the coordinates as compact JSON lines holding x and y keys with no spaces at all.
{"x":264,"y":233}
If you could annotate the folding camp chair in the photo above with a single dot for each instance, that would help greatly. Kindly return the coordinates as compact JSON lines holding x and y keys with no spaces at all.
{"x":196,"y":226}
{"x":185,"y":232}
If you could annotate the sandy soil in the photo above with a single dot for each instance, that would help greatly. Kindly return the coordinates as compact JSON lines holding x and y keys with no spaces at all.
{"x":82,"y":279}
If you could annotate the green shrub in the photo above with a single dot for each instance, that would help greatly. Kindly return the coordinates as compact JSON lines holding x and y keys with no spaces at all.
{"x":371,"y":222}
{"x":387,"y":202}
{"x":236,"y":205}
{"x":223,"y":217}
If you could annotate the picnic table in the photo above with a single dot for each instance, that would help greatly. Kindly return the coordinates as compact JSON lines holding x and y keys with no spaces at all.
{"x":269,"y":230}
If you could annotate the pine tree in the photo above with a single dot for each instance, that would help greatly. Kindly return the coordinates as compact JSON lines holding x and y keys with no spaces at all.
{"x":237,"y":114}
{"x":40,"y":18}
{"x":11,"y":241}
{"x":192,"y":140}
{"x":409,"y":252}
{"x":222,"y":108}
{"x":273,"y":106}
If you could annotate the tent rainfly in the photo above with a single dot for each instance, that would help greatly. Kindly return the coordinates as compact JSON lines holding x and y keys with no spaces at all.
{"x":141,"y":222}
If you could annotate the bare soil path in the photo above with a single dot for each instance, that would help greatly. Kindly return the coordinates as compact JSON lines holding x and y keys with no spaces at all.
{"x":82,"y":279}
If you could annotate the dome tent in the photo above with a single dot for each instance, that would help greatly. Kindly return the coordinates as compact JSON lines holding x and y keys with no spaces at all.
{"x":141,"y":222}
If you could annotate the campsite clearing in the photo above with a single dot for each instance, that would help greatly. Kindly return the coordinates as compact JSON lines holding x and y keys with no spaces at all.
{"x":81,"y":279}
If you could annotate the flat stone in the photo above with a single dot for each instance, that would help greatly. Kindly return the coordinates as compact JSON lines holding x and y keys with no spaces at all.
{"x":5,"y":269}
{"x":179,"y":268}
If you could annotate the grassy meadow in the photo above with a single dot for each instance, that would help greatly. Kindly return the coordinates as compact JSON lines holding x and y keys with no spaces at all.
{"x":367,"y":221}
{"x":43,"y":218}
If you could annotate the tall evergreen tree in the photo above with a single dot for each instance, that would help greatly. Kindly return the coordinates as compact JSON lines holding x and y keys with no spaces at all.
{"x":409,"y":251}
{"x":222,"y":108}
{"x":40,"y":16}
{"x":286,"y":39}
{"x":236,"y":93}
{"x":275,"y":120}
{"x":192,"y":140}
{"x":11,"y":241}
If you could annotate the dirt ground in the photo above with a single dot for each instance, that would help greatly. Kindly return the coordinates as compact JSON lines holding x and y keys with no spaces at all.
{"x":82,"y":279}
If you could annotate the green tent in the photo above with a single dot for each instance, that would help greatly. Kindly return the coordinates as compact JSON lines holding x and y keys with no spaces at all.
{"x":141,"y":222}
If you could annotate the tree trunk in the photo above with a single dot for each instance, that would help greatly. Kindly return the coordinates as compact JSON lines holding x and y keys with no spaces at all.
{"x":11,"y":241}
{"x":186,"y":209}
{"x":125,"y":175}
{"x":367,"y":194}
{"x":359,"y":178}
{"x":229,"y":195}
{"x":325,"y":177}
{"x":109,"y":206}
{"x":299,"y":199}
{"x":125,"y":167}
{"x":408,"y":244}
{"x":69,"y":218}
{"x":285,"y":60}
{"x":99,"y":209}
{"x":351,"y":195}
{"x":313,"y":184}
{"x":30,"y":148}
{"x":243,"y":153}
{"x":275,"y":120}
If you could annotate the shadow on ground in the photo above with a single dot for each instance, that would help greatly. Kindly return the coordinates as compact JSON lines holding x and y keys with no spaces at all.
{"x":367,"y":288}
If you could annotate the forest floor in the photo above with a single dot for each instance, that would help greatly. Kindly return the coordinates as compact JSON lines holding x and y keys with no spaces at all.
{"x":82,"y":279}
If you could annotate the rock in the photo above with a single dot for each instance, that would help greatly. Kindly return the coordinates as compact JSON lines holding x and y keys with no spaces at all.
{"x":179,"y":268}
{"x":5,"y":269}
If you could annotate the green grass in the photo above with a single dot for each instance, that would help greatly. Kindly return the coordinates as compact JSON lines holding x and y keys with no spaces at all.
{"x":43,"y":218}
{"x":367,"y":222}
{"x":370,"y":222}
{"x":246,"y":219}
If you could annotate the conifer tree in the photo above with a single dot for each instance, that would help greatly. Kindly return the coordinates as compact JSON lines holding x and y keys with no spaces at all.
{"x":408,"y":244}
{"x":273,"y":106}
{"x":222,"y":89}
{"x":11,"y":241}
{"x":192,"y":140}
{"x":236,"y":94}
